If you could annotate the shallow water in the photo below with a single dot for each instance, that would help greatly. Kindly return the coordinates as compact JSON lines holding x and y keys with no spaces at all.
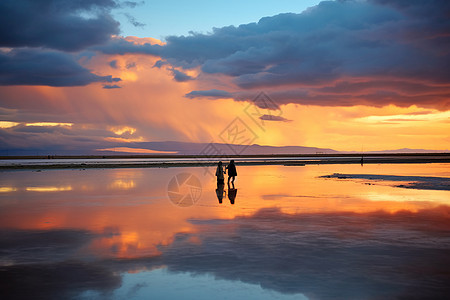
{"x":290,"y":234}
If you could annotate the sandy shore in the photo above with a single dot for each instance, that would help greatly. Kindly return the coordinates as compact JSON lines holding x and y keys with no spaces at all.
{"x":85,"y":162}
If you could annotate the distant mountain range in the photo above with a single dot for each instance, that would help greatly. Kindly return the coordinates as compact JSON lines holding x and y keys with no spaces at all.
{"x":220,"y":149}
{"x":184,"y":148}
{"x":255,"y":149}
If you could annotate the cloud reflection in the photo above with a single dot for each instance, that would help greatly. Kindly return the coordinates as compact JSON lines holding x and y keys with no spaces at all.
{"x":342,"y":255}
{"x":121,"y":184}
{"x":325,"y":255}
{"x":7,"y":189}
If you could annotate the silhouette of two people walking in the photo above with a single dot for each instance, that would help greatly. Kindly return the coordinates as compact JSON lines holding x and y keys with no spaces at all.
{"x":232,"y":173}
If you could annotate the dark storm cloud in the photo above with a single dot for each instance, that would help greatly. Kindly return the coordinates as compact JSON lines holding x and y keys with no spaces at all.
{"x":39,"y":67}
{"x":373,"y":41}
{"x":274,"y":118}
{"x":30,"y":28}
{"x":113,"y":64}
{"x":213,"y":94}
{"x":131,"y":65}
{"x":342,"y":93}
{"x":68,"y":25}
{"x":111,"y":86}
{"x":379,"y":95}
{"x":180,"y":76}
{"x":160,"y":63}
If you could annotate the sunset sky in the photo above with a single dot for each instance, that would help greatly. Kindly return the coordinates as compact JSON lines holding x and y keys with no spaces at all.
{"x":357,"y":75}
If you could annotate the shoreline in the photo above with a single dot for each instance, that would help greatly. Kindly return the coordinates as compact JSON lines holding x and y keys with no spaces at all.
{"x":408,"y":181}
{"x":317,"y":159}
{"x":164,"y":156}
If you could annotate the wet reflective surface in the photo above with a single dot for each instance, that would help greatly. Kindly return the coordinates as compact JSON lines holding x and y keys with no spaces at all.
{"x":283,"y":233}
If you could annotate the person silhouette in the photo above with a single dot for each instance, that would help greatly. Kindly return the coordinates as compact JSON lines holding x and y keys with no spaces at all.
{"x":220,"y":191}
{"x":232,"y":194}
{"x":232,"y":173}
{"x":219,"y":173}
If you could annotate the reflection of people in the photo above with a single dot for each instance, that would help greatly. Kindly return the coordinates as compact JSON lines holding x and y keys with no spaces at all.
{"x":232,"y":195}
{"x":231,"y":173}
{"x":220,"y":191}
{"x":219,"y":173}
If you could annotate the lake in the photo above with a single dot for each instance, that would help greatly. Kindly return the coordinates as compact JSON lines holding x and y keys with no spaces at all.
{"x":285,"y":232}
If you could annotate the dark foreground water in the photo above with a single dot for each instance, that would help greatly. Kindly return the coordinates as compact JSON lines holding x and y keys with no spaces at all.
{"x":285,"y":232}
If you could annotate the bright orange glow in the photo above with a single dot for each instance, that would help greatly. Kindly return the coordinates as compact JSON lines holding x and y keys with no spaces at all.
{"x":7,"y":189}
{"x":122,"y":184}
{"x":432,"y":116}
{"x":48,"y":188}
{"x":7,"y":124}
{"x":49,"y":124}
{"x":119,"y":130}
{"x":125,"y":140}
{"x":359,"y":128}
{"x":145,"y":40}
